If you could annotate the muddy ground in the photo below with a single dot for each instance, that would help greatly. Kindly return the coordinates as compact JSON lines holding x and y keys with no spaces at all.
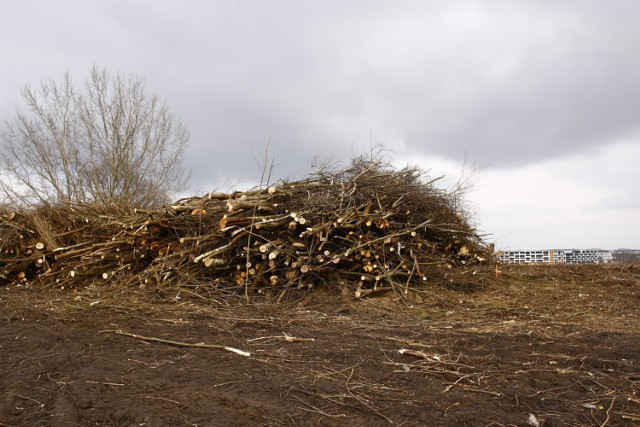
{"x":548,"y":346}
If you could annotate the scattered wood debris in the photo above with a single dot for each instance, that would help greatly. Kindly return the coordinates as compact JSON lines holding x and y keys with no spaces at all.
{"x":366,"y":228}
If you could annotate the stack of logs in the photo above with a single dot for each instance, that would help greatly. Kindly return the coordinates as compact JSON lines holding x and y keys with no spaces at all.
{"x":367,"y":228}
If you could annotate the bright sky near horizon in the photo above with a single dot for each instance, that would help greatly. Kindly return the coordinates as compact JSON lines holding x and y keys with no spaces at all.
{"x":544,"y":94}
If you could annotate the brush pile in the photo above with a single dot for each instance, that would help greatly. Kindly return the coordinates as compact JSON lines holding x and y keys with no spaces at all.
{"x":367,"y":228}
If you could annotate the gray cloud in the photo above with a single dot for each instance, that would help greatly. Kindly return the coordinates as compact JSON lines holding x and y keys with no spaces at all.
{"x":511,"y":82}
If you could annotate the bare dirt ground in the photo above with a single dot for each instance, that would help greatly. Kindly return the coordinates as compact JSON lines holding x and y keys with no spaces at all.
{"x":547,"y":346}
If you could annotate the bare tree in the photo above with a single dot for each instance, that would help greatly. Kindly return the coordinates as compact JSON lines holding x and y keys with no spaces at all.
{"x":109,"y":144}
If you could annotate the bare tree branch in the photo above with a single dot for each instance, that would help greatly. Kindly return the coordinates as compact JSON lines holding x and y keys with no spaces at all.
{"x":111,"y":144}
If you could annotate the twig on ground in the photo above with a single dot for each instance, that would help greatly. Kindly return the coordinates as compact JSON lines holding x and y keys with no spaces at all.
{"x":606,"y":420}
{"x":284,"y":336}
{"x":184,"y":344}
{"x":317,"y":410}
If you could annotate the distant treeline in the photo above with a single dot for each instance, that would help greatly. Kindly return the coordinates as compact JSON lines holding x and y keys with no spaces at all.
{"x":626,"y":256}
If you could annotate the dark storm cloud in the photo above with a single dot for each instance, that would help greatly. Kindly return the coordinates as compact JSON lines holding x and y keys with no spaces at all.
{"x":512,"y":82}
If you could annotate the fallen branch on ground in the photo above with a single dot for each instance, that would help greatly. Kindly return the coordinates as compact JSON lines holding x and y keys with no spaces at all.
{"x":184,"y":344}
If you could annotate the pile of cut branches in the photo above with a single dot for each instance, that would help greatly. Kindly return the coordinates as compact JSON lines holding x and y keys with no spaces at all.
{"x":366,"y":228}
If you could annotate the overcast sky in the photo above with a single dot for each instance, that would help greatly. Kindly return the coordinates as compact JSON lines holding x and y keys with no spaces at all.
{"x":544,"y":94}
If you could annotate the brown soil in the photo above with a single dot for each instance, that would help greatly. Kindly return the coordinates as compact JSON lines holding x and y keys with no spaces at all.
{"x":552,"y":346}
